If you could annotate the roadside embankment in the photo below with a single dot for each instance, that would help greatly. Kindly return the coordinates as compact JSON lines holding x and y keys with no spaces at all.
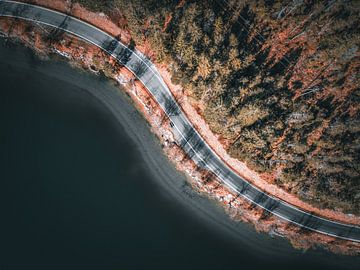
{"x":91,"y":58}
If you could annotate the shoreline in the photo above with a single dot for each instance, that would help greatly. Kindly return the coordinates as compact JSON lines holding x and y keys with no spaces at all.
{"x":206,"y":211}
{"x":146,"y":105}
{"x":214,"y":141}
{"x":137,"y":127}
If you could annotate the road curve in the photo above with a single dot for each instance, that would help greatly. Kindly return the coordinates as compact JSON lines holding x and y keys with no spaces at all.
{"x":185,"y":134}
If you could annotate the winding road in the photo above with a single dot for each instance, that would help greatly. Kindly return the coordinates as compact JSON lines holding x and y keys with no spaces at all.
{"x":185,"y":134}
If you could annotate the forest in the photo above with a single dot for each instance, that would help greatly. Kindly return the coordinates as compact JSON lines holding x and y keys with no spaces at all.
{"x":278,"y":81}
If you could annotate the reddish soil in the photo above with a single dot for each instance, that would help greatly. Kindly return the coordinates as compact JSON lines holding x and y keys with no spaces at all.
{"x":91,"y":58}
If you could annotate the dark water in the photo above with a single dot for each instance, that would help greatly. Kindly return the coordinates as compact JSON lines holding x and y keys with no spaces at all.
{"x":76,"y":191}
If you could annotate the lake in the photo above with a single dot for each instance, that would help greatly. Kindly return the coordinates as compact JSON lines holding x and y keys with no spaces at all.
{"x":84,"y":185}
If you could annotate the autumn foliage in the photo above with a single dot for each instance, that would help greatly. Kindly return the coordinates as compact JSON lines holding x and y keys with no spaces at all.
{"x":278,"y":80}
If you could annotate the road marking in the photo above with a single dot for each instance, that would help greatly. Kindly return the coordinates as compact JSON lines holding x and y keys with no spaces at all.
{"x":187,"y":122}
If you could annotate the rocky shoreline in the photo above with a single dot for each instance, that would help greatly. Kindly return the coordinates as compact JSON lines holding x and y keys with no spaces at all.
{"x":88,"y":57}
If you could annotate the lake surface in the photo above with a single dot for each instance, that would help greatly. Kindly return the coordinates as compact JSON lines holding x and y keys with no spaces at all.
{"x":84,"y":185}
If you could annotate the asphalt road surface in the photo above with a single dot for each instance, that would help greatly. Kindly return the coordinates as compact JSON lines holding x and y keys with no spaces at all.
{"x":185,"y":134}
